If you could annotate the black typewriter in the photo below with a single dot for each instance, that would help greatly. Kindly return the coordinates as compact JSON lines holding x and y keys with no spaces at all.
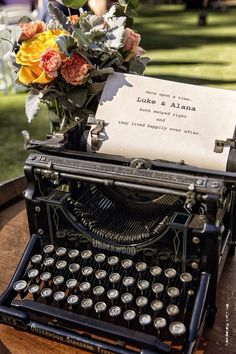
{"x":125,"y":254}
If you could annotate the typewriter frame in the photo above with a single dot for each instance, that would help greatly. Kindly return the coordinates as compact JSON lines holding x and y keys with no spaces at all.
{"x":54,"y":157}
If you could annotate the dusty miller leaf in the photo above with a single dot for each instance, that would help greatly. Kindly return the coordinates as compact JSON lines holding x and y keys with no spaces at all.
{"x":32,"y":104}
{"x":65,"y":44}
{"x":60,"y":17}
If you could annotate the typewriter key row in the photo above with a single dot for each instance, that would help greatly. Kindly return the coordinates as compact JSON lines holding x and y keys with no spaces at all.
{"x":128,"y":292}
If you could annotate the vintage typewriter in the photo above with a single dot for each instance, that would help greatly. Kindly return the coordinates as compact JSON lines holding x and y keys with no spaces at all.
{"x":125,"y":254}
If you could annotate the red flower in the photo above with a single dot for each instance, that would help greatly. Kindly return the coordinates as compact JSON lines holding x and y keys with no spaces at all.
{"x":74,"y":70}
{"x":50,"y":62}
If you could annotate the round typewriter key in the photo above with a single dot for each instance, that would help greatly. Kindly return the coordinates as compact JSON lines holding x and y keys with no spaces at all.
{"x":72,"y":300}
{"x":100,"y":275}
{"x":127,"y":264}
{"x":100,"y":258}
{"x":194,"y":265}
{"x":100,"y":307}
{"x":114,"y":311}
{"x":86,"y":304}
{"x":170,"y":273}
{"x":141,"y":267}
{"x":172,"y":310}
{"x":73,"y":254}
{"x":157,"y":288}
{"x":127,"y":298}
{"x":159,"y":323}
{"x":87,"y":271}
{"x":48,"y":249}
{"x":128,"y":282}
{"x":71,"y":284}
{"x":186,"y":278}
{"x":98,"y":291}
{"x":74,"y":268}
{"x":155,"y":271}
{"x":46,"y":294}
{"x":143,"y":285}
{"x":36,"y":259}
{"x":141,"y":302}
{"x":33,"y":273}
{"x":156,"y":305}
{"x":113,"y":295}
{"x":129,"y":315}
{"x":114,"y":278}
{"x":46,"y":276}
{"x":84,"y":287}
{"x":61,"y":265}
{"x":61,"y":251}
{"x":58,"y":280}
{"x":86,"y":254}
{"x":145,"y":320}
{"x":173,"y":292}
{"x":113,"y":261}
{"x":33,"y":289}
{"x":20,"y":286}
{"x":190,"y":292}
{"x":60,"y":297}
{"x":48,"y":262}
{"x":177,"y":328}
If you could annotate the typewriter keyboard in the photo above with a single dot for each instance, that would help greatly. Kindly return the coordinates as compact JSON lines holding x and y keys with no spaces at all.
{"x":138,"y":294}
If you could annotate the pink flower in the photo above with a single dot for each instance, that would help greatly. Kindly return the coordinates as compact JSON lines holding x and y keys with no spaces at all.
{"x":132,"y":40}
{"x":74,"y":70}
{"x":50,"y":62}
{"x":28,"y":30}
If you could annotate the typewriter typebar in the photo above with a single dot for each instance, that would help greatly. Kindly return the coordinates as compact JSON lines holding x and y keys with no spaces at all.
{"x":121,"y":259}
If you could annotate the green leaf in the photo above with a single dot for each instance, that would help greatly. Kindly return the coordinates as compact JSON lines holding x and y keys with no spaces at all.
{"x":134,"y":3}
{"x":100,"y":72}
{"x":74,"y":4}
{"x":137,"y":66}
{"x":97,"y":87}
{"x":65,"y":44}
{"x":60,"y":17}
{"x":80,"y":37}
{"x":77,"y":96}
{"x":32,"y":104}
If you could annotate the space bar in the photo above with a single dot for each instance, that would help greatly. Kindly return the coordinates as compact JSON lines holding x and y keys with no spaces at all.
{"x":93,"y":325}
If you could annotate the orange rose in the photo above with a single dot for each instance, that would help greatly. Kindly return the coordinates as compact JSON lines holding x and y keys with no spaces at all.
{"x":32,"y":58}
{"x":30,"y":29}
{"x":74,"y":70}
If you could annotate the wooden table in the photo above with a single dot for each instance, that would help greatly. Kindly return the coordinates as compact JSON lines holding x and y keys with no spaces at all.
{"x":13,"y":238}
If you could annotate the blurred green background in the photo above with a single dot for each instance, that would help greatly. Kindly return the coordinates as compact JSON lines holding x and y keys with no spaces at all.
{"x":179,"y":50}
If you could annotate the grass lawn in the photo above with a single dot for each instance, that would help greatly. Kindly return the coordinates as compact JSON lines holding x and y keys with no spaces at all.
{"x":12,"y":122}
{"x":179,"y":50}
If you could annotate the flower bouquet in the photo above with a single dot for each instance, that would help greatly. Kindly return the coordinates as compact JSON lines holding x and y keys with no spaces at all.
{"x":65,"y":63}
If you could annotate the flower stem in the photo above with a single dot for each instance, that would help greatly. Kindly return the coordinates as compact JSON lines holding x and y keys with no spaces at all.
{"x":69,"y":12}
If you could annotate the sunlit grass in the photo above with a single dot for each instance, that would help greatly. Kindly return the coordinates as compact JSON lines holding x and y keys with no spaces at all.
{"x":182,"y":51}
{"x":12,"y":122}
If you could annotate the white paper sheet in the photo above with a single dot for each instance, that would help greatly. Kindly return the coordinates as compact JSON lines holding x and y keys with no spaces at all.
{"x":158,"y":119}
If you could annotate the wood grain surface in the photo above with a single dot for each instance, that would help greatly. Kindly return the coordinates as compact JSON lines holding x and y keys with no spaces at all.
{"x":13,"y":238}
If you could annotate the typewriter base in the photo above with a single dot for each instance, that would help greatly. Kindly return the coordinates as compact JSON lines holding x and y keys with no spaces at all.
{"x":14,"y":221}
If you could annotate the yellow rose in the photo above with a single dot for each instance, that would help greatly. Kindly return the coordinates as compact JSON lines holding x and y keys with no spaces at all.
{"x":29,"y":55}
